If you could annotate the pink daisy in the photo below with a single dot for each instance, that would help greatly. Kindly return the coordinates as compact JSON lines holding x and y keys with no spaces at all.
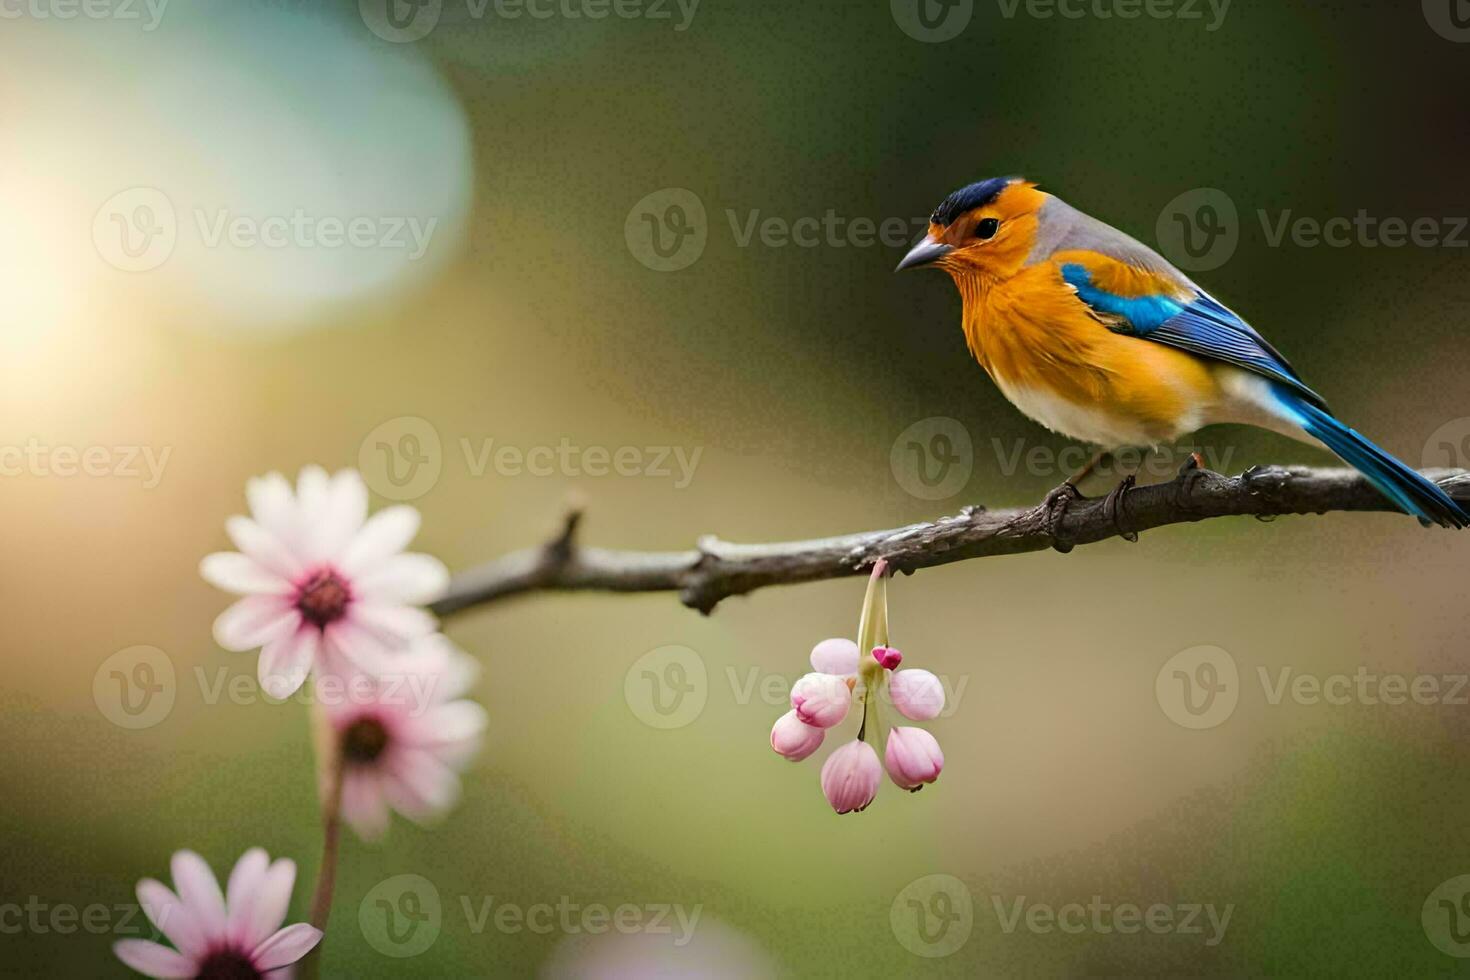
{"x":236,"y":934}
{"x":321,"y":580}
{"x":403,"y":746}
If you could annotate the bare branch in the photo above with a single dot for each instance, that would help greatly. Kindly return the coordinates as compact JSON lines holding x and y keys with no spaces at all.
{"x":715,"y":569}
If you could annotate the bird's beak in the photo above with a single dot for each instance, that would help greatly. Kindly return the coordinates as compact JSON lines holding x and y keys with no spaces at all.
{"x":926,"y":252}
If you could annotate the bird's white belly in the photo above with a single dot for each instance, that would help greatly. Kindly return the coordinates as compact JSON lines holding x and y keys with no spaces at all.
{"x":1088,"y":423}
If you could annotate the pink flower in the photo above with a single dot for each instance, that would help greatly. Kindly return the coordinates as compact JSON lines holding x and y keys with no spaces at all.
{"x":404,"y":736}
{"x":794,"y":739}
{"x":917,"y":694}
{"x":912,"y":758}
{"x":850,"y":777}
{"x":835,"y":656}
{"x":320,"y":579}
{"x":821,"y":699}
{"x":235,"y":934}
{"x":887,"y":657}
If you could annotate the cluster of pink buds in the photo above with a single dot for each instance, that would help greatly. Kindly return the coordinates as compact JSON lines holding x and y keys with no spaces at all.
{"x":841,"y":675}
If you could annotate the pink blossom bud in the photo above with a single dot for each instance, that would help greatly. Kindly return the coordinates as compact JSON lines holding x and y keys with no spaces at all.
{"x":794,"y":739}
{"x":888,"y":657}
{"x":912,"y":758}
{"x":821,"y":699}
{"x":917,"y":694}
{"x":835,"y":656}
{"x":850,"y":777}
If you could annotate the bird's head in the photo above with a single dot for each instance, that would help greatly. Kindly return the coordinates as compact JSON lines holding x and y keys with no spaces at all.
{"x":985,"y":230}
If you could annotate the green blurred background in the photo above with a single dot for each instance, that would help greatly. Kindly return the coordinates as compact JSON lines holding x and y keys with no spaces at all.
{"x":532,"y":318}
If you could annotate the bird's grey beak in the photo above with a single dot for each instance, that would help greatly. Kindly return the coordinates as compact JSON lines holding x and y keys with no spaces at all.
{"x":926,"y":252}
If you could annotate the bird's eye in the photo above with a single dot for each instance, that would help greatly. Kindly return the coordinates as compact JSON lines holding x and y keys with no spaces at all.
{"x":987,"y":228}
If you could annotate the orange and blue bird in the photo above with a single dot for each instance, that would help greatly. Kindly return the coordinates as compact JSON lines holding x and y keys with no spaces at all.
{"x":1096,"y":336}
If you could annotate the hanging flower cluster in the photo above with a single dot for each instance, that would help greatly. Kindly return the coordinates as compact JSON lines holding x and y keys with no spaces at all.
{"x":840,"y":676}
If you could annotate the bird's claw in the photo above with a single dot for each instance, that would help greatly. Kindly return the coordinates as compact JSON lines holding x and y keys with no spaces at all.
{"x":1116,"y":503}
{"x":1056,"y":503}
{"x":1188,"y":473}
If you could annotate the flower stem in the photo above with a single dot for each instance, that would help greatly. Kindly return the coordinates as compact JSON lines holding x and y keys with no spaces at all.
{"x":326,"y":876}
{"x":872,"y":632}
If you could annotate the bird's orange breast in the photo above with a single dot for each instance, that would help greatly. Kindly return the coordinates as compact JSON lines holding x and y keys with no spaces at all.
{"x":1060,"y":364}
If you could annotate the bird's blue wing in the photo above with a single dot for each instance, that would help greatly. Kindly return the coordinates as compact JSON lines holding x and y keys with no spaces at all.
{"x":1189,"y":319}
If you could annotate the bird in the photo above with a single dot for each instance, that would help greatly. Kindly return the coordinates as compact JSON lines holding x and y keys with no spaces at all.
{"x":1096,"y":336}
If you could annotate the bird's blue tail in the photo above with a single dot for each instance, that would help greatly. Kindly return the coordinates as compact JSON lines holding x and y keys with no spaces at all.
{"x":1411,"y":492}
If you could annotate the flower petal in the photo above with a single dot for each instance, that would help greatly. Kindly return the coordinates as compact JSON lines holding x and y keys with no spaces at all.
{"x":411,"y":578}
{"x":153,"y":960}
{"x":285,"y":661}
{"x":268,"y":550}
{"x":273,"y":505}
{"x":445,"y":725}
{"x":395,"y":625}
{"x":241,"y":574}
{"x":286,"y":947}
{"x":199,"y":890}
{"x":363,"y":805}
{"x":170,"y":917}
{"x":835,"y":656}
{"x":419,"y":785}
{"x":386,"y":533}
{"x":240,"y":893}
{"x":254,"y":621}
{"x":272,"y":896}
{"x":343,"y":517}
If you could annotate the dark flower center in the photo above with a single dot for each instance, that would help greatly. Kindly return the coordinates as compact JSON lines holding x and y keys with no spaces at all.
{"x":228,"y":964}
{"x":364,"y":740}
{"x":323,"y":597}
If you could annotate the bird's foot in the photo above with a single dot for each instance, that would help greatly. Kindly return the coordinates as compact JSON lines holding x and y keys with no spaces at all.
{"x":1188,"y":473}
{"x":1056,"y":504}
{"x":1115,"y":504}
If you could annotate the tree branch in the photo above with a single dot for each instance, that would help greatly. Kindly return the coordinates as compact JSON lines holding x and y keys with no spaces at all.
{"x":715,"y":569}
